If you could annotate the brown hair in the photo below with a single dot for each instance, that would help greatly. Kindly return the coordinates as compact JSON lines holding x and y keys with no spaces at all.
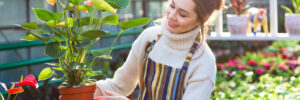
{"x":204,"y":9}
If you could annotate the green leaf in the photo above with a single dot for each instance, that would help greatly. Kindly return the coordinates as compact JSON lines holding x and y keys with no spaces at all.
{"x":58,"y":68}
{"x":287,"y":9}
{"x":29,"y":37}
{"x":53,"y":50}
{"x":57,"y":16}
{"x":43,"y":14}
{"x":30,"y":26}
{"x":103,"y":5}
{"x":103,"y":53}
{"x":111,"y":20}
{"x":92,"y":34}
{"x":134,"y":23}
{"x":294,"y":4}
{"x":45,"y":73}
{"x":39,"y":37}
{"x":86,"y":21}
{"x":118,"y":4}
{"x":298,"y":3}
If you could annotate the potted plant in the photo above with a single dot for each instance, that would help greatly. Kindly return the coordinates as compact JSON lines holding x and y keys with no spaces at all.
{"x":69,"y":35}
{"x":238,"y":23}
{"x":292,"y":18}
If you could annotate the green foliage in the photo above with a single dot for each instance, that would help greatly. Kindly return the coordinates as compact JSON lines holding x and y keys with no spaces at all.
{"x":134,"y":23}
{"x":75,"y":34}
{"x":45,"y":73}
{"x":296,"y":6}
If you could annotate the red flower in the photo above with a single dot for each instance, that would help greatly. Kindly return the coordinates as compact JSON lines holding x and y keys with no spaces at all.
{"x":260,"y":71}
{"x":29,"y":80}
{"x":252,"y":63}
{"x":15,"y":90}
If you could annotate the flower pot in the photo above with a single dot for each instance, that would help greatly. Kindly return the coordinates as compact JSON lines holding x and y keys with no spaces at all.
{"x":79,"y":93}
{"x":292,"y":23}
{"x":238,"y":25}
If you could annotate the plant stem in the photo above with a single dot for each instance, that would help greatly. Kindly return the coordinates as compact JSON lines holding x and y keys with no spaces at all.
{"x":16,"y":96}
{"x":116,"y":39}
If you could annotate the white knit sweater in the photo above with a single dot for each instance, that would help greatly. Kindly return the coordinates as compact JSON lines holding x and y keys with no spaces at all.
{"x":171,"y":49}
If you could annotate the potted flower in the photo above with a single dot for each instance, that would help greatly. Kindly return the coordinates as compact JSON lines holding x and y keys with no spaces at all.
{"x":238,"y":23}
{"x":69,"y":35}
{"x":292,"y":18}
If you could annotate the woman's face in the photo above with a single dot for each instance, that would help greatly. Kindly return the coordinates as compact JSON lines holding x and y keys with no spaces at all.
{"x":181,"y":16}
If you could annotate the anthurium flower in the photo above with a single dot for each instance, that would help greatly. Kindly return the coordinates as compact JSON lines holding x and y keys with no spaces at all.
{"x":15,"y":90}
{"x":52,"y":2}
{"x":89,"y":3}
{"x":12,"y":90}
{"x":29,"y":80}
{"x":103,"y":5}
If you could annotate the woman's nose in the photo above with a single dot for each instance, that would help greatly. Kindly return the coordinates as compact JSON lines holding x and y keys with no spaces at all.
{"x":172,"y":15}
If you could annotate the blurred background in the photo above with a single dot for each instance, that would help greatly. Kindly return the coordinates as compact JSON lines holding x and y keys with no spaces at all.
{"x":238,"y":59}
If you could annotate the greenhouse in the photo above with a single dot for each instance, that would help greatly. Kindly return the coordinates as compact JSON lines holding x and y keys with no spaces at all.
{"x":150,"y":49}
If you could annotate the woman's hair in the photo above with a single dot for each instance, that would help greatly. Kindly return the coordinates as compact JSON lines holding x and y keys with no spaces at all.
{"x":204,"y":9}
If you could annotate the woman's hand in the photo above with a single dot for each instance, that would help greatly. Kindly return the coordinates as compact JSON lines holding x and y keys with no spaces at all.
{"x":112,"y":96}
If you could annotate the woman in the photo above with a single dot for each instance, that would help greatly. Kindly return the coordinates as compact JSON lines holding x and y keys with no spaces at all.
{"x":176,"y":64}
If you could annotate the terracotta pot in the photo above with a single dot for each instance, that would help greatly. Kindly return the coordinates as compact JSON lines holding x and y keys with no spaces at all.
{"x":79,"y":93}
{"x":238,"y":25}
{"x":292,"y":23}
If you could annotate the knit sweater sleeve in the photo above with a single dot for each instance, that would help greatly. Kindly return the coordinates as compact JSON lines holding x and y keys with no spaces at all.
{"x":201,"y":79}
{"x":127,"y":76}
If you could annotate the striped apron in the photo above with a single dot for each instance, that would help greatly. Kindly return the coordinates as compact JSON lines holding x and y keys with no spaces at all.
{"x":163,"y":82}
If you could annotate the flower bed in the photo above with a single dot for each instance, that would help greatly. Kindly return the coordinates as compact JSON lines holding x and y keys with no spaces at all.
{"x":269,"y":74}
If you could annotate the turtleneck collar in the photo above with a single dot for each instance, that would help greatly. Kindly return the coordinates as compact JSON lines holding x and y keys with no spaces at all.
{"x":180,"y":41}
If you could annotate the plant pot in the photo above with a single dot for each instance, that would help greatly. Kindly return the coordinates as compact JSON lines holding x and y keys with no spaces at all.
{"x":238,"y":25}
{"x":292,"y":23}
{"x":79,"y":93}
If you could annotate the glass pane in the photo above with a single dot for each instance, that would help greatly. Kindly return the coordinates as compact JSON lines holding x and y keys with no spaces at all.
{"x":12,"y":12}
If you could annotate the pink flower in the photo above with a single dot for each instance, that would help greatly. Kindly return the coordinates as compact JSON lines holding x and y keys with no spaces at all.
{"x":283,"y":66}
{"x":297,"y":68}
{"x":260,"y":71}
{"x":266,"y":65}
{"x":89,"y":3}
{"x":221,"y":67}
{"x":240,"y":67}
{"x":252,"y":63}
{"x":292,"y":64}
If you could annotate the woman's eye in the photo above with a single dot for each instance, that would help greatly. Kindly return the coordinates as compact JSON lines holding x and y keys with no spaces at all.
{"x":182,"y":15}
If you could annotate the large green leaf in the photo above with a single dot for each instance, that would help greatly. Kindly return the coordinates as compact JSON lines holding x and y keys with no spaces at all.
{"x":102,"y":53}
{"x":287,"y":9}
{"x":53,"y":50}
{"x":134,"y":23}
{"x":86,"y":21}
{"x":92,"y":34}
{"x":118,"y":4}
{"x":103,"y":5}
{"x":111,"y":20}
{"x":43,"y":14}
{"x":45,"y":73}
{"x":30,"y":26}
